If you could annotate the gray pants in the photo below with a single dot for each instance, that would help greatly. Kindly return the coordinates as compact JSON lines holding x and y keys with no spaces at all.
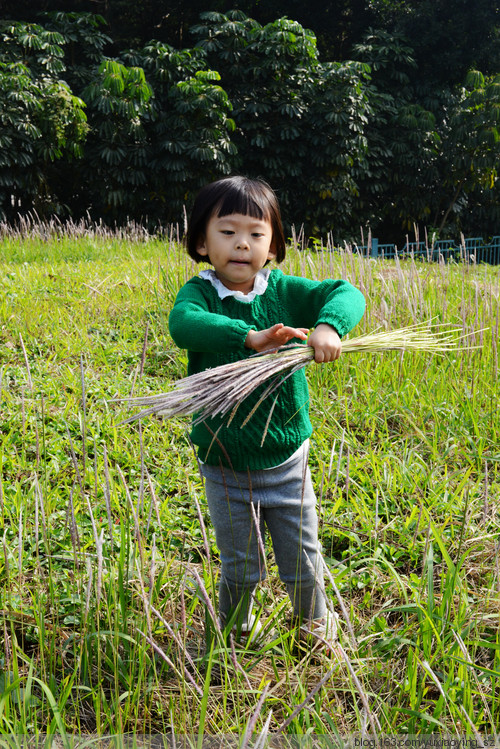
{"x":241,"y":505}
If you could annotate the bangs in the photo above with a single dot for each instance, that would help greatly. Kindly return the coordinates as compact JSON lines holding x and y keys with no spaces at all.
{"x":247,"y":201}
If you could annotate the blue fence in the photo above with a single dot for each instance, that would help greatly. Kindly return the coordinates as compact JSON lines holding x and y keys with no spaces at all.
{"x":473,"y":250}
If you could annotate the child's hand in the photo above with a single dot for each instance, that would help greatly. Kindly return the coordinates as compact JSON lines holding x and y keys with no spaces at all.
{"x":277,"y":335}
{"x":326,"y":343}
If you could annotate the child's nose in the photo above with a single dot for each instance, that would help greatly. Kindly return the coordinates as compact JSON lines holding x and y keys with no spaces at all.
{"x":242,"y":242}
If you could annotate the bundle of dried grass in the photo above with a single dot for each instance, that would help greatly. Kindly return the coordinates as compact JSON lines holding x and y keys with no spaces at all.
{"x":219,"y":391}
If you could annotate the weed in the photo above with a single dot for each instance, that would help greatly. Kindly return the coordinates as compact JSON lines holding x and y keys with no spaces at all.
{"x":108,"y":564}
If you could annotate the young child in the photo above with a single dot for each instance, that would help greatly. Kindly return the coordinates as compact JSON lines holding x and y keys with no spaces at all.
{"x":228,"y":313}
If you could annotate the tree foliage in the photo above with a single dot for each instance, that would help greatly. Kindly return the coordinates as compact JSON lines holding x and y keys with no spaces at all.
{"x":448,"y":37}
{"x":402,"y":140}
{"x":299,"y":122}
{"x":383,"y":139}
{"x":41,"y":120}
{"x":188,"y":128}
{"x":470,"y":147}
{"x":115,"y":152}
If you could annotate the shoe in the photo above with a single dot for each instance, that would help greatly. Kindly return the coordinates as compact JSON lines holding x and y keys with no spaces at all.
{"x":248,"y":632}
{"x":319,"y":633}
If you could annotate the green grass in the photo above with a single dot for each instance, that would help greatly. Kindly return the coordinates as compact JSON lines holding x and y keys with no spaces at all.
{"x":108,"y":565}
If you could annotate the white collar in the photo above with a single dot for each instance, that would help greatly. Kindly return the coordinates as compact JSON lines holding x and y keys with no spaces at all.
{"x":259,"y":285}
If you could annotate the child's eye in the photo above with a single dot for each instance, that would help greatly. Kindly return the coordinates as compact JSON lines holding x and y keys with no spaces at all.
{"x":257,"y":234}
{"x":227,"y":231}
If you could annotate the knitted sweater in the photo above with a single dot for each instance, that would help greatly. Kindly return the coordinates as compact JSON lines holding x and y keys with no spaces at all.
{"x":214,"y":330}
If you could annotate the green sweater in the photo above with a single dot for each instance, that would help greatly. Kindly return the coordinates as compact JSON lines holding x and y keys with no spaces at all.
{"x":214,"y":332}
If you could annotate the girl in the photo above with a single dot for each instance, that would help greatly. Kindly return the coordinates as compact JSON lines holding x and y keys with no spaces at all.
{"x":227,"y":313}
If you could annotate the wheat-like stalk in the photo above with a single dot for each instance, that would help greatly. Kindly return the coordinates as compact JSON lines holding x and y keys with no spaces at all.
{"x":219,"y":391}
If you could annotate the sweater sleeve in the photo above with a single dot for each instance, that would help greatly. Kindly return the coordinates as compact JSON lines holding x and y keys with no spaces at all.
{"x":193,"y":327}
{"x":336,"y":303}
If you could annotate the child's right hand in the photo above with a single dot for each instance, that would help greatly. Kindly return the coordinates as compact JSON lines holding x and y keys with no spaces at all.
{"x":277,"y":335}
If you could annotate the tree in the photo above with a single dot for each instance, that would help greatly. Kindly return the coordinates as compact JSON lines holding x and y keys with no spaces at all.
{"x":41,"y":121}
{"x":388,"y":139}
{"x":299,"y":122}
{"x":115,"y":166}
{"x":338,"y":24}
{"x":470,"y":148}
{"x":449,"y":37}
{"x":402,"y":140}
{"x":85,"y":44}
{"x":145,"y":150}
{"x":188,"y":127}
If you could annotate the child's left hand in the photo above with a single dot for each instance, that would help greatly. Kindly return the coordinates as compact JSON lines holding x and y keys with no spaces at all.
{"x":326,"y":343}
{"x":276,"y":335}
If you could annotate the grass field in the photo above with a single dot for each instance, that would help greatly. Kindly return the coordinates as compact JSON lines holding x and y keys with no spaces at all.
{"x":108,"y":567}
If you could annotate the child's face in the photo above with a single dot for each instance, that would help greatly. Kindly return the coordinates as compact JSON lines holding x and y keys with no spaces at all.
{"x":238,"y":246}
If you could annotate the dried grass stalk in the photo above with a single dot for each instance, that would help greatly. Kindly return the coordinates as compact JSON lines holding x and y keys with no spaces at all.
{"x":220,"y":391}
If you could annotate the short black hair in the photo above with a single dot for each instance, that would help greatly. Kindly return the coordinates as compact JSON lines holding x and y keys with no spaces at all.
{"x":250,"y":197}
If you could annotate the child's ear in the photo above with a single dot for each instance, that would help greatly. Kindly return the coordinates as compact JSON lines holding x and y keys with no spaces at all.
{"x":201,"y":247}
{"x":271,"y":255}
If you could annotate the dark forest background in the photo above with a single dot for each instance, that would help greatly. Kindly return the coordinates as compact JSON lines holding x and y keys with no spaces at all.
{"x":360,"y":113}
